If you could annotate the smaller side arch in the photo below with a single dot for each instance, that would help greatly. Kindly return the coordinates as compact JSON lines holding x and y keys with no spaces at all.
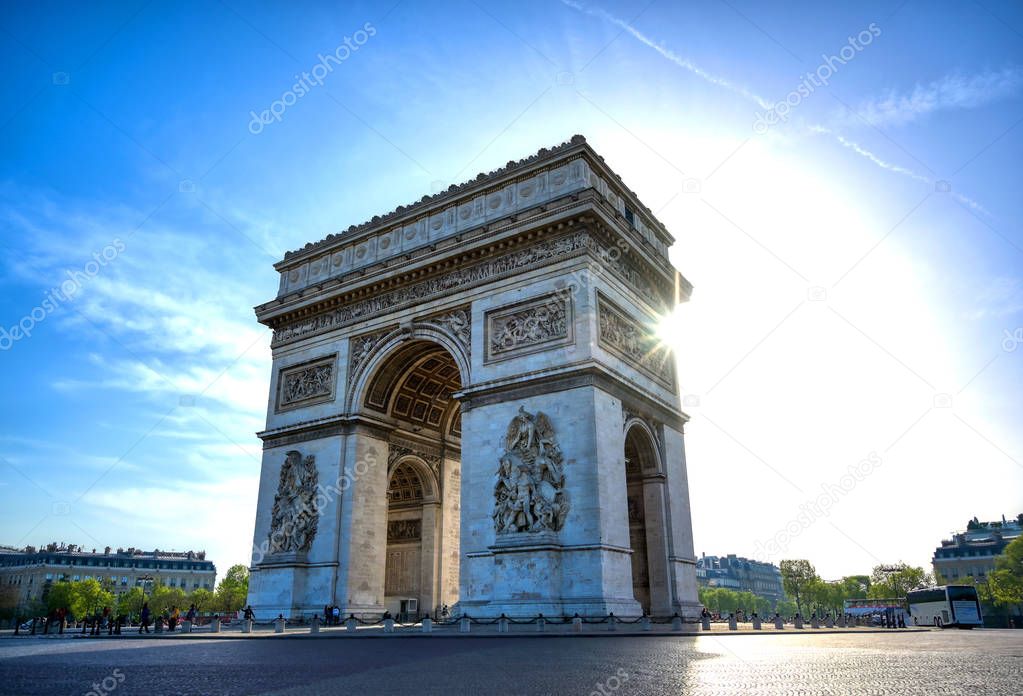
{"x":640,"y":435}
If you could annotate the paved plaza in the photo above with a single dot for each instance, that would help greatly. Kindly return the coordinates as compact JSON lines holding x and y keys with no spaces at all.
{"x":930,"y":662}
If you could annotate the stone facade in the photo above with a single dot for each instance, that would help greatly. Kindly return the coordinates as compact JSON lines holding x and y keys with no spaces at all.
{"x":492,"y":426}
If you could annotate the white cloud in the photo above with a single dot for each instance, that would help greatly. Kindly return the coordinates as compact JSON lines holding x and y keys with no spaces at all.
{"x":951,"y":92}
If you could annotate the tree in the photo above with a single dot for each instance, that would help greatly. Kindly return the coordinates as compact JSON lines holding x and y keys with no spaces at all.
{"x":163,"y":598}
{"x":796,"y":576}
{"x":233,"y":590}
{"x":894,"y":581}
{"x":202,"y":598}
{"x":130,"y":602}
{"x":1006,"y":580}
{"x":58,"y":596}
{"x":88,"y":597}
{"x":785,"y":607}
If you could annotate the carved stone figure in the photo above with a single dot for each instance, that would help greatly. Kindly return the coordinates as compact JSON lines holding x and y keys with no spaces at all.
{"x":530,"y":495}
{"x":294,"y":516}
{"x":307,"y":383}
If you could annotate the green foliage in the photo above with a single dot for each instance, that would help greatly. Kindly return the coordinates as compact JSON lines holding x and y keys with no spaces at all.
{"x":1006,"y":581}
{"x":163,"y":599}
{"x":796,"y":576}
{"x":895,"y":581}
{"x":233,"y":590}
{"x":59,"y":595}
{"x":203,"y":599}
{"x":130,"y":602}
{"x":88,"y":597}
{"x":725,"y":601}
{"x":786,"y":608}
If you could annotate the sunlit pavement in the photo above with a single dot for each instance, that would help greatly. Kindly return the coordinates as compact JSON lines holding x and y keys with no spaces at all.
{"x":932,"y":662}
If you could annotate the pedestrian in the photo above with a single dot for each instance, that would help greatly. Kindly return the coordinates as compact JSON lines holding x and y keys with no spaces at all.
{"x":144,"y":618}
{"x":172,"y":620}
{"x":190,"y":616}
{"x":335,"y":614}
{"x":249,"y":614}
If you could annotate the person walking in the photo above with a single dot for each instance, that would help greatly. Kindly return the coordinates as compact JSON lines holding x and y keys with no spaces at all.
{"x":249,"y":614}
{"x":144,"y":618}
{"x":335,"y":614}
{"x":173,"y":620}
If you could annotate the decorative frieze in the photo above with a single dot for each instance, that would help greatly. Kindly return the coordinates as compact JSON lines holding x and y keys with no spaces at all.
{"x":526,"y":327}
{"x":307,"y":384}
{"x":441,"y":284}
{"x":402,"y":448}
{"x":404,"y":530}
{"x":360,"y":348}
{"x":457,"y":323}
{"x":633,"y":342}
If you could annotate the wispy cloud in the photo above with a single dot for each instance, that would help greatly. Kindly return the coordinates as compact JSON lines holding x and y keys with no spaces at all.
{"x":952,"y":92}
{"x":666,"y":52}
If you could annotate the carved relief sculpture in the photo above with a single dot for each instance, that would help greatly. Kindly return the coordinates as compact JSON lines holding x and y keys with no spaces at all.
{"x":306,"y":384}
{"x":633,"y":341}
{"x":294,"y":517}
{"x":530,"y":495}
{"x":535,"y":325}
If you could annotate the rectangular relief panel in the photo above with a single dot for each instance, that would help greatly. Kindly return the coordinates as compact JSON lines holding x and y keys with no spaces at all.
{"x":526,"y":327}
{"x":306,"y":384}
{"x":634,"y":342}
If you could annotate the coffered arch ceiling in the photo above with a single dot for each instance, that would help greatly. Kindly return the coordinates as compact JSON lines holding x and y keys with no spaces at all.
{"x":415,"y":385}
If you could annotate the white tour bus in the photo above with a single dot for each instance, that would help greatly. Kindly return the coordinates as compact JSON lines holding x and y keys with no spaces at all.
{"x":951,"y":605}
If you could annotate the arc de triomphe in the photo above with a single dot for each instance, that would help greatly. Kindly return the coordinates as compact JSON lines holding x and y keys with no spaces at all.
{"x":469,"y":407}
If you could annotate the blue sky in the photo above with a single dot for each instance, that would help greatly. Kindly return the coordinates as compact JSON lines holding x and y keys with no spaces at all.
{"x":858,"y":265}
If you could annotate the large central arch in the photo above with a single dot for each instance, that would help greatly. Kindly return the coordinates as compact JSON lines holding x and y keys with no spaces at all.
{"x":406,"y":389}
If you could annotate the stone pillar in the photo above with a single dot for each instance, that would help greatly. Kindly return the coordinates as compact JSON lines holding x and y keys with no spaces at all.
{"x":427,"y":625}
{"x":247,"y":626}
{"x":644,"y":624}
{"x":388,"y":625}
{"x":577,"y":624}
{"x":502,"y":624}
{"x":279,"y":624}
{"x":829,"y":622}
{"x":463,"y":625}
{"x":733,"y":624}
{"x":815,"y":622}
{"x":314,"y":624}
{"x":756,"y":623}
{"x":779,"y":623}
{"x":705,"y":623}
{"x":541,"y":623}
{"x":215,"y":625}
{"x":364,"y":524}
{"x":351,"y":625}
{"x":676,"y":623}
{"x":798,"y":621}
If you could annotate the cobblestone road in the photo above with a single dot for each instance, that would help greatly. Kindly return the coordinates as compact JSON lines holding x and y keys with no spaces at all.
{"x":948,"y":662}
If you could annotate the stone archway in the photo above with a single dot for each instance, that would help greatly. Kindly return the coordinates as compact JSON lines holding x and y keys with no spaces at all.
{"x":407,"y":391}
{"x":647,"y":524}
{"x":486,"y":341}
